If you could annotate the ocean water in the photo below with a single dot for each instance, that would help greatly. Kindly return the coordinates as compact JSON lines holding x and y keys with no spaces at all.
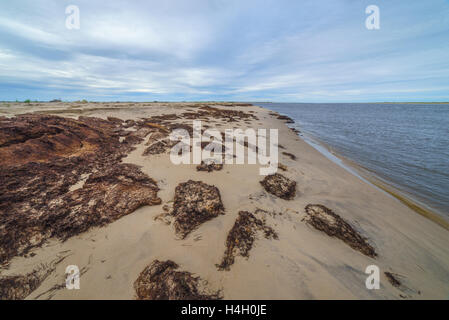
{"x":406,"y":145}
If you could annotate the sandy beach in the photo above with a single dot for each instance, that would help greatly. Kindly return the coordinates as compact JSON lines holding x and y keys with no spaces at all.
{"x":252,"y":244}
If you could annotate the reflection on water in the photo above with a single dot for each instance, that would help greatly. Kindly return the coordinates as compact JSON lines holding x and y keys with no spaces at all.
{"x":404,"y":144}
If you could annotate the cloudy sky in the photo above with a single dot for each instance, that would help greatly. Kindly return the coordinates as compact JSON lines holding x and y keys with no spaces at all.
{"x":296,"y":51}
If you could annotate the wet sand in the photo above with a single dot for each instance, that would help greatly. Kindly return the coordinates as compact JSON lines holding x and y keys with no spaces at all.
{"x":302,"y":262}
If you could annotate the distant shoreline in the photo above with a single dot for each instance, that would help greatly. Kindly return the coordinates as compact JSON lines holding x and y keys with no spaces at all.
{"x":217,"y":101}
{"x":408,"y":102}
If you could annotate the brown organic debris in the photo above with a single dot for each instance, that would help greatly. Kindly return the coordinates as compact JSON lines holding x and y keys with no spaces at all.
{"x":161,"y":281}
{"x":209,"y":166}
{"x":286,"y":119}
{"x":115,"y":120}
{"x":105,"y":197}
{"x":241,"y":237}
{"x":206,"y":111}
{"x":290,"y":155}
{"x":296,"y":131}
{"x":43,"y":156}
{"x":156,"y":126}
{"x":392,"y":278}
{"x":195,"y":203}
{"x":280,"y":186}
{"x":156,"y":148}
{"x":19,"y":286}
{"x":282,"y":167}
{"x":324,"y":219}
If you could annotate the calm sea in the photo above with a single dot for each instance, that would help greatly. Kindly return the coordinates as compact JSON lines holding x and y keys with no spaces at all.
{"x":406,"y":145}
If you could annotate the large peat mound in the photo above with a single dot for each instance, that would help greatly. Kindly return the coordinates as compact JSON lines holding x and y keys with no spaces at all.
{"x":161,"y":281}
{"x":241,"y":237}
{"x":280,"y":186}
{"x":44,"y":158}
{"x":325,"y":220}
{"x":195,"y":203}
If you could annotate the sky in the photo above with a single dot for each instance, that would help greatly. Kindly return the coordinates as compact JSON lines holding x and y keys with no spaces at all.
{"x":283,"y":51}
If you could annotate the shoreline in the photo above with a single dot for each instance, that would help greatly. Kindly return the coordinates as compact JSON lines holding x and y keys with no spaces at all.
{"x":373,"y":178}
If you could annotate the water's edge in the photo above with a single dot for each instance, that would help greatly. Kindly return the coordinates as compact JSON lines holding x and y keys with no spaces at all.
{"x":371,"y":177}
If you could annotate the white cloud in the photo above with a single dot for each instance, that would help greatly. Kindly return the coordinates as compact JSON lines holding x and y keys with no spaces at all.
{"x":208,"y":49}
